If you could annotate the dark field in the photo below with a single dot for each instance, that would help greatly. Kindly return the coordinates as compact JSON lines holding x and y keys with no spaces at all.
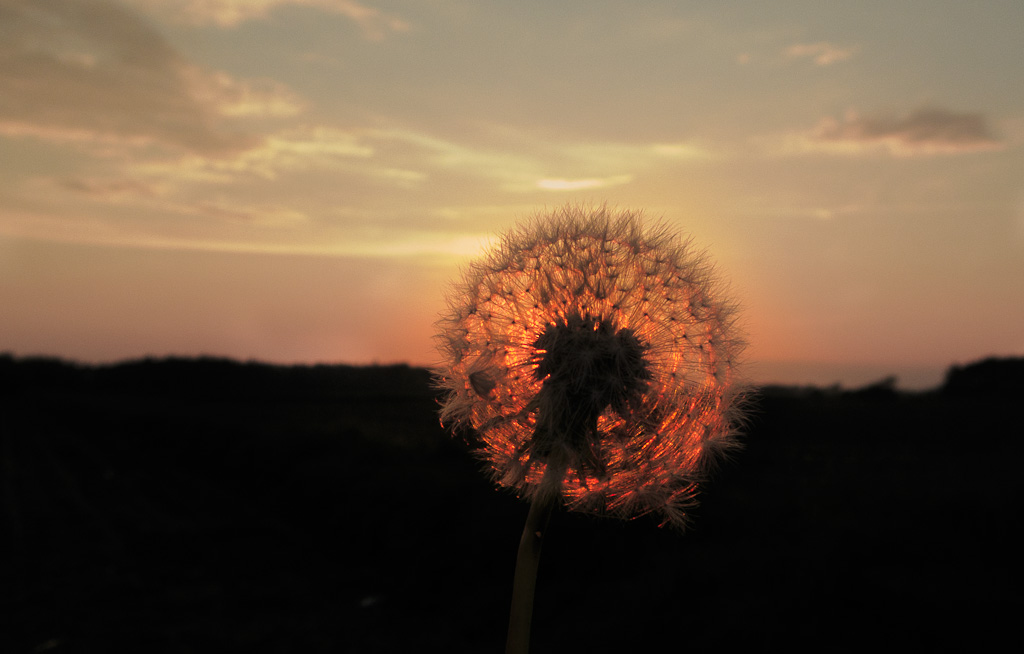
{"x":209,"y":506}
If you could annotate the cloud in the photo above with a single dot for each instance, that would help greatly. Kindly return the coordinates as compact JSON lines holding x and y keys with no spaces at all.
{"x":821,"y":53}
{"x":160,"y":197}
{"x":407,"y":158}
{"x":95,"y":72}
{"x":235,"y":212}
{"x":241,"y":98}
{"x":113,"y":189}
{"x":582,"y":184}
{"x":922,"y":132}
{"x":297,"y":149}
{"x":282,"y":230}
{"x":374,"y":24}
{"x":293,"y":153}
{"x":515,"y":167}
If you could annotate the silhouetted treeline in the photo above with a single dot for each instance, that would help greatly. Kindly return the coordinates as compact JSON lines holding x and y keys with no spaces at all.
{"x":208,"y":376}
{"x":226,"y":377}
{"x":993,"y":377}
{"x":207,"y":505}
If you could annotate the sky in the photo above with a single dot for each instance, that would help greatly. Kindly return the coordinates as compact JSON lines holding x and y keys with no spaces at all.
{"x":297,"y":181}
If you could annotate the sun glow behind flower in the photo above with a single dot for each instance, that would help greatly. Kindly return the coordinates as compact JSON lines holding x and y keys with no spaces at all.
{"x":595,"y":358}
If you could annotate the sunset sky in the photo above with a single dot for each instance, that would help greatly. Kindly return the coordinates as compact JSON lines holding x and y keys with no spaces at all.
{"x":295,"y":181}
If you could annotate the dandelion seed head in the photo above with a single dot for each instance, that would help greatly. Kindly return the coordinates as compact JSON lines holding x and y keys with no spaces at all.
{"x":595,"y":358}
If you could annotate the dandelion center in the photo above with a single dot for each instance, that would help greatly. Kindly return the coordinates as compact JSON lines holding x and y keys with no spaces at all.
{"x":585,"y":365}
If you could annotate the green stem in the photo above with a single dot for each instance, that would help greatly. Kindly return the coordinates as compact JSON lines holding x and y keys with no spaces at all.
{"x":525,"y":581}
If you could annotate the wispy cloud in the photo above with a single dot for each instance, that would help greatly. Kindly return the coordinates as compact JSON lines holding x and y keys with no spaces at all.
{"x":241,"y":213}
{"x":113,"y":189}
{"x":279,"y":230}
{"x":241,"y":98}
{"x":295,"y":149}
{"x":513,"y":166}
{"x":582,"y":184}
{"x":922,"y":132}
{"x":521,"y":163}
{"x":296,"y":157}
{"x":821,"y":53}
{"x":682,"y":151}
{"x":164,"y":196}
{"x":374,"y":23}
{"x":97,"y":73}
{"x":288,"y":157}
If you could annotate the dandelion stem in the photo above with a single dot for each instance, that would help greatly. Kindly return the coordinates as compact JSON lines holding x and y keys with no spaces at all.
{"x":521,"y":614}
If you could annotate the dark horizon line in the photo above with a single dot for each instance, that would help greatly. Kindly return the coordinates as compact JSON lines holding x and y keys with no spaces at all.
{"x":1002,"y":369}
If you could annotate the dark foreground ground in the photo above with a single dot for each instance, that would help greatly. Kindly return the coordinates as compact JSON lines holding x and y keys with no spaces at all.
{"x":208,"y":506}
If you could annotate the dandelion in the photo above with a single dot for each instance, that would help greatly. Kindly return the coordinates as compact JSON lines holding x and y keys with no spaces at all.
{"x":595,"y":359}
